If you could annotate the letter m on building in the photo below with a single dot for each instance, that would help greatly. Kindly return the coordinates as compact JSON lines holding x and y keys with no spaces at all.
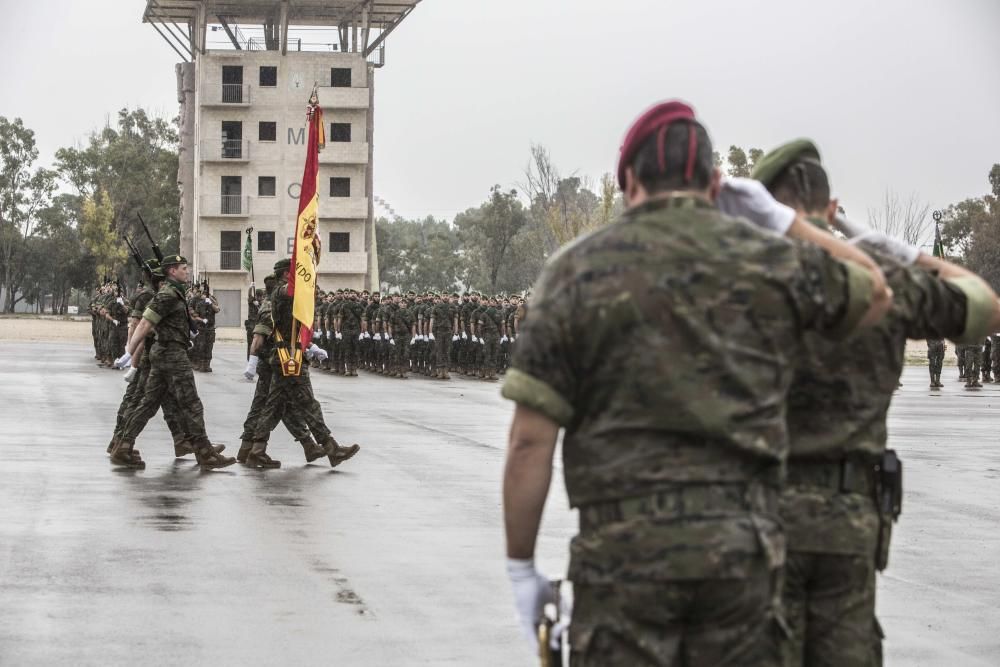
{"x":294,"y":138}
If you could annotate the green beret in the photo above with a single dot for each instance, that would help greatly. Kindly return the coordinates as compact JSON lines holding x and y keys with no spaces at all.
{"x":282,"y":265}
{"x":775,"y":161}
{"x":172,"y":260}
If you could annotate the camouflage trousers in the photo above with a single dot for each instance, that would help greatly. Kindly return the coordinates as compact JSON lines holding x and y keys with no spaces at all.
{"x":400,"y":353}
{"x":699,"y":623}
{"x":350,"y":345}
{"x":291,"y":419}
{"x":170,"y":377}
{"x":207,"y":345}
{"x":829,"y":604}
{"x":442,"y":350}
{"x":491,"y":347}
{"x":133,"y":396}
{"x":972,"y":356}
{"x":935,"y":360}
{"x":290,"y":397}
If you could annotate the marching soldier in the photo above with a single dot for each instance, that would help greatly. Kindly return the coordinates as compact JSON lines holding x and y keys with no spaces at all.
{"x":935,"y":359}
{"x":170,"y":370}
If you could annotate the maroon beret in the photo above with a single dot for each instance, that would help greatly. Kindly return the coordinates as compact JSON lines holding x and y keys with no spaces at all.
{"x":655,"y":119}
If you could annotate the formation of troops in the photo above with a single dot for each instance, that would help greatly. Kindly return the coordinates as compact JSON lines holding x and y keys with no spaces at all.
{"x":720,"y":366}
{"x":431,"y":334}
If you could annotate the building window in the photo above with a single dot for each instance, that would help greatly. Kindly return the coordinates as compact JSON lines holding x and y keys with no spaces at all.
{"x":340,"y":242}
{"x":340,"y":131}
{"x":265,"y":241}
{"x":268,"y":76}
{"x":266,"y":186}
{"x":232,"y":139}
{"x":267,"y":130}
{"x":232,"y":84}
{"x":340,"y":186}
{"x":340,"y":77}
{"x":230,"y":253}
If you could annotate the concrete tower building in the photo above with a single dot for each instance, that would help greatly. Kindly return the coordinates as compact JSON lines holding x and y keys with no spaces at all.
{"x":248,"y":67}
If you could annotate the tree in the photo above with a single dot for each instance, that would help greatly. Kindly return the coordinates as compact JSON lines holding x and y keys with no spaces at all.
{"x":488,"y":235}
{"x":740,"y":162}
{"x":906,"y":220}
{"x":57,"y":261}
{"x":23,"y":192}
{"x":970,"y":231}
{"x":135,"y":163}
{"x":419,"y":254}
{"x":98,"y":235}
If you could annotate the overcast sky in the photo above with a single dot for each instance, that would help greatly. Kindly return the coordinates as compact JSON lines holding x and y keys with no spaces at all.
{"x":898,"y":94}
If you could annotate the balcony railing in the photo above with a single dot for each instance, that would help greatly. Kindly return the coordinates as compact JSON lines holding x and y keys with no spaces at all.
{"x":235,"y":206}
{"x":235,"y":93}
{"x":228,"y":94}
{"x":227,"y":150}
{"x":230,"y":260}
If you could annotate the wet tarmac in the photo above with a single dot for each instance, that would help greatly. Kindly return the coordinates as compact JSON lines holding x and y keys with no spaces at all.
{"x":395,"y":558}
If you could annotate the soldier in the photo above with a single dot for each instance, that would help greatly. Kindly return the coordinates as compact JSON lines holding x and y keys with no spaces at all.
{"x":117,"y":318}
{"x":254,"y":298}
{"x":836,"y":414}
{"x":663,"y":344}
{"x":170,"y":370}
{"x":263,"y":347}
{"x":443,"y":328}
{"x":960,"y":357}
{"x":401,"y":328}
{"x":995,"y":355}
{"x":348,"y":328}
{"x":972,"y":355}
{"x":372,"y":328}
{"x":290,"y":393}
{"x":489,"y":326}
{"x":935,"y":359}
{"x":987,"y":360}
{"x":205,"y":307}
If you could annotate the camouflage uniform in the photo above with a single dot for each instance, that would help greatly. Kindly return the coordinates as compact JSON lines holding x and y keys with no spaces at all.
{"x":663,"y":344}
{"x":254,"y":297}
{"x":987,"y":359}
{"x":291,"y":396}
{"x":972,"y":354}
{"x":935,"y":360}
{"x":351,"y":314}
{"x":443,"y":319}
{"x":837,"y":430}
{"x":170,"y":376}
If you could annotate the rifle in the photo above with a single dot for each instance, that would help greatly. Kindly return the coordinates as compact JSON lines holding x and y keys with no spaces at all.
{"x":137,"y":256}
{"x":156,"y":248}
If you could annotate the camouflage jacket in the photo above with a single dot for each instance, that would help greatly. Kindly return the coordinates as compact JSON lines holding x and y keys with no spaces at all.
{"x":169,"y":314}
{"x":663,"y":344}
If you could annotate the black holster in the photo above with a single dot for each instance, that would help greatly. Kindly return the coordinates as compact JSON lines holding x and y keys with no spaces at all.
{"x":889,"y":501}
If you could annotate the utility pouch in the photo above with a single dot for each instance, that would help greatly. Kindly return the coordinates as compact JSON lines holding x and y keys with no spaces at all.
{"x":889,"y":500}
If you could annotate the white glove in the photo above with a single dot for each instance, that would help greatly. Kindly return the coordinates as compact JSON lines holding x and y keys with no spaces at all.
{"x":898,"y":250}
{"x":204,"y":321}
{"x":474,"y":339}
{"x":454,"y":338}
{"x":378,"y":336}
{"x":115,"y":322}
{"x":464,"y":336}
{"x":482,"y":341}
{"x":367,"y":335}
{"x":207,"y":300}
{"x":504,"y":339}
{"x":251,"y":368}
{"x":749,"y":199}
{"x":130,"y":375}
{"x":340,"y":336}
{"x":124,"y":360}
{"x":430,"y":336}
{"x":315,"y":351}
{"x":413,"y":341}
{"x":120,"y":301}
{"x":532,"y":592}
{"x":392,"y":342}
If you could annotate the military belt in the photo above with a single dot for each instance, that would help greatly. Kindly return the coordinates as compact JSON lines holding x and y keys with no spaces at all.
{"x":848,"y":475}
{"x":685,"y":500}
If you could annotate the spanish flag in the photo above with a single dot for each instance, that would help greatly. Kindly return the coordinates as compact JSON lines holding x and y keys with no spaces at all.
{"x":305,"y":254}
